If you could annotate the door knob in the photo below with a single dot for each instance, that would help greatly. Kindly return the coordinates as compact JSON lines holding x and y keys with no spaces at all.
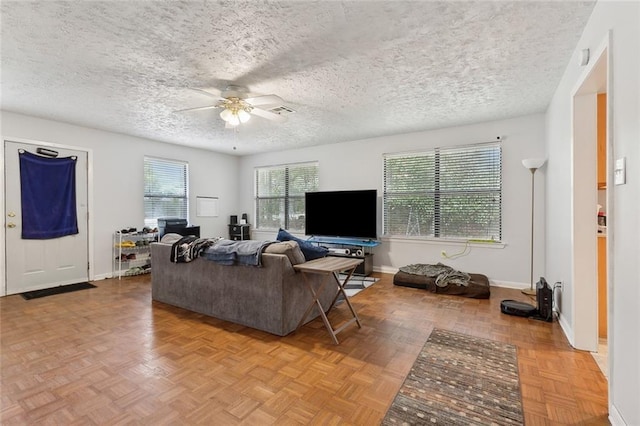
{"x":11,"y":225}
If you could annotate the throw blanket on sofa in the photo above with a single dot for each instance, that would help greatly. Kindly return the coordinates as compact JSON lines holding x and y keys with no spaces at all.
{"x":228,"y":252}
{"x":188,"y":248}
{"x":443,"y":274}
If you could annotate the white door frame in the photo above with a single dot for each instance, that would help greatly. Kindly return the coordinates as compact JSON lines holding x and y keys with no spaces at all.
{"x":90,"y":236}
{"x":584,"y":299}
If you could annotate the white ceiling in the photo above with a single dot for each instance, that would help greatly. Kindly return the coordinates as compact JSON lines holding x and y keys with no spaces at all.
{"x":350,"y":69}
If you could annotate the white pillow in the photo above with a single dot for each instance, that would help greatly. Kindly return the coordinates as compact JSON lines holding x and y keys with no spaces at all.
{"x":170,"y":238}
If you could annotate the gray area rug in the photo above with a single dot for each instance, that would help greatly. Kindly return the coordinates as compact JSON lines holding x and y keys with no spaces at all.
{"x":460,"y":380}
{"x":357,"y":283}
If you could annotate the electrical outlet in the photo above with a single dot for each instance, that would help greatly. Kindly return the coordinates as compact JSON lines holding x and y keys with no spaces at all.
{"x":443,"y":253}
{"x":560,"y":285}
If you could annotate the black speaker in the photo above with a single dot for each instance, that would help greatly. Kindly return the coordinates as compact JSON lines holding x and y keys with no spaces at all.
{"x":233,"y":220}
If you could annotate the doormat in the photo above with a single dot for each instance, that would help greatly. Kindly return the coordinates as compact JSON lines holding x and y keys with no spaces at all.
{"x":56,"y":290}
{"x":460,"y":380}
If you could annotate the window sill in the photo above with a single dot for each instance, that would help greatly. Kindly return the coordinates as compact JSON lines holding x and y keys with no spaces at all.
{"x":448,"y":241}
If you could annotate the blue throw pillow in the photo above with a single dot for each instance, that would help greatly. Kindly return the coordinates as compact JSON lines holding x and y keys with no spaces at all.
{"x":310,"y":250}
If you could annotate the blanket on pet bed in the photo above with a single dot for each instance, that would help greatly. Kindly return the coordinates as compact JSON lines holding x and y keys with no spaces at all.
{"x":475,"y":286}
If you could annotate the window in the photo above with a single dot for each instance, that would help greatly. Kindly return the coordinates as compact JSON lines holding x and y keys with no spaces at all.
{"x":165,"y":190}
{"x":280,"y":195}
{"x":444,"y":193}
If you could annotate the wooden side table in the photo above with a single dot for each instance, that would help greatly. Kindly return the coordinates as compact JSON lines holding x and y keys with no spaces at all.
{"x":330,"y":267}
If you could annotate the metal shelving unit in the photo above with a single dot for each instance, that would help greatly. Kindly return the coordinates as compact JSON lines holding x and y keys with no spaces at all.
{"x":132,"y":253}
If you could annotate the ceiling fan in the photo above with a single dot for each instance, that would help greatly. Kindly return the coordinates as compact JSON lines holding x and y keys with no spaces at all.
{"x":238,"y":106}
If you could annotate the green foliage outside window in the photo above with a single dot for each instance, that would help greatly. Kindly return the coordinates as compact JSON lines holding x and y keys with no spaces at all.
{"x":280,"y":195}
{"x":445,"y":193}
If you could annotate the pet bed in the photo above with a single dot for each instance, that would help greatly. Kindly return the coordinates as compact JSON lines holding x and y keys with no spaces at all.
{"x":476,"y":288}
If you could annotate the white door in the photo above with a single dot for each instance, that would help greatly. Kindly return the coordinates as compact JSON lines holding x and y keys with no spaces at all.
{"x":38,"y":264}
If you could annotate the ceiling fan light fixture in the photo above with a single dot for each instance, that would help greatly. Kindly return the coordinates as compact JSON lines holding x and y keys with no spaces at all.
{"x":244,"y":116}
{"x":236,"y":109}
{"x":226,"y":114}
{"x":234,"y":120}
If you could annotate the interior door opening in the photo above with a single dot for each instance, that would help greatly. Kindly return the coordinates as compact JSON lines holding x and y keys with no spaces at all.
{"x":589,"y":301}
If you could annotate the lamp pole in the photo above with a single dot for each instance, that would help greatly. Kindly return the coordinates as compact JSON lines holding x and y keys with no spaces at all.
{"x":530,"y":291}
{"x":533,"y":165}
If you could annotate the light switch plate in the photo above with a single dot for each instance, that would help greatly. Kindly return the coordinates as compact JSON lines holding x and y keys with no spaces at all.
{"x":620,"y":172}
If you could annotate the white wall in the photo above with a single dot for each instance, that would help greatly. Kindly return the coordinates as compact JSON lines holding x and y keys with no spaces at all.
{"x":358,"y":165}
{"x":623,"y":230}
{"x":118,"y":178}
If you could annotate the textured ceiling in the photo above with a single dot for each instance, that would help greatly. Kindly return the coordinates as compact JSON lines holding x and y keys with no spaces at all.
{"x":350,"y":70}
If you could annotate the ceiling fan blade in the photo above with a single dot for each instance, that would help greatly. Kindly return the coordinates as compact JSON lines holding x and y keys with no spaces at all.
{"x":264,"y":100}
{"x":198,"y":108}
{"x":215,"y":93}
{"x":268,"y":115}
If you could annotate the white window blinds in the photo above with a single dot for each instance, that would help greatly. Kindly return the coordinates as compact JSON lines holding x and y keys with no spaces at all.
{"x":280,"y":195}
{"x":444,"y":193}
{"x":165,"y":190}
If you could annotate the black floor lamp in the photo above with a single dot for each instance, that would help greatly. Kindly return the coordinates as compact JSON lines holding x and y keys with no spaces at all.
{"x":532,"y":164}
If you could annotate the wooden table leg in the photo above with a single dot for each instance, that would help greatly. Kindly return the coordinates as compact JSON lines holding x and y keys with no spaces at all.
{"x":346,"y":298}
{"x":316,"y":301}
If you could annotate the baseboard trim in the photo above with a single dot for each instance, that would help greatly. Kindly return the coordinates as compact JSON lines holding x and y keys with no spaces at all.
{"x":385,"y":269}
{"x":566,"y":329}
{"x":102,"y":277}
{"x":509,"y":284}
{"x":614,"y":416}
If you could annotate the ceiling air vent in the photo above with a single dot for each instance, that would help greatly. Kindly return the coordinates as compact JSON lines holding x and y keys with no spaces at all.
{"x":282,"y":110}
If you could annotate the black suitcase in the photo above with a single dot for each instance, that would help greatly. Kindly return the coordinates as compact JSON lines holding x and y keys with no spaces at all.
{"x":519,"y":309}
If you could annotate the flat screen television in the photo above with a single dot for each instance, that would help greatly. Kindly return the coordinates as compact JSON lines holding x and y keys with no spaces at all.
{"x":347,"y":214}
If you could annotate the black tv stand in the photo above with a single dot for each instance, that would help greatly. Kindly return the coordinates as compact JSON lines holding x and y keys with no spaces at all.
{"x":350,"y":247}
{"x":365,"y":268}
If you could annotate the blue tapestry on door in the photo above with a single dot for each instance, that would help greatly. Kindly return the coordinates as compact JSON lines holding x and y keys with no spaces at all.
{"x":48,"y":195}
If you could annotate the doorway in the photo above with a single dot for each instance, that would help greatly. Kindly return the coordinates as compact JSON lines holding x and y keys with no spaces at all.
{"x":33,"y":264}
{"x":587,"y":300}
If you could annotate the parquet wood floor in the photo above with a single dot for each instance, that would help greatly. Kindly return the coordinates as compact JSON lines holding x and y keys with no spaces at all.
{"x":111,"y":356}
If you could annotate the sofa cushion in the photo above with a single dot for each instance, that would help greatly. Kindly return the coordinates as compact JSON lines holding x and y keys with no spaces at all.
{"x":310,"y":250}
{"x":289,"y":248}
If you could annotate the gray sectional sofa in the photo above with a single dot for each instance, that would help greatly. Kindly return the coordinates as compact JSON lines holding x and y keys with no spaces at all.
{"x":271,"y":297}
